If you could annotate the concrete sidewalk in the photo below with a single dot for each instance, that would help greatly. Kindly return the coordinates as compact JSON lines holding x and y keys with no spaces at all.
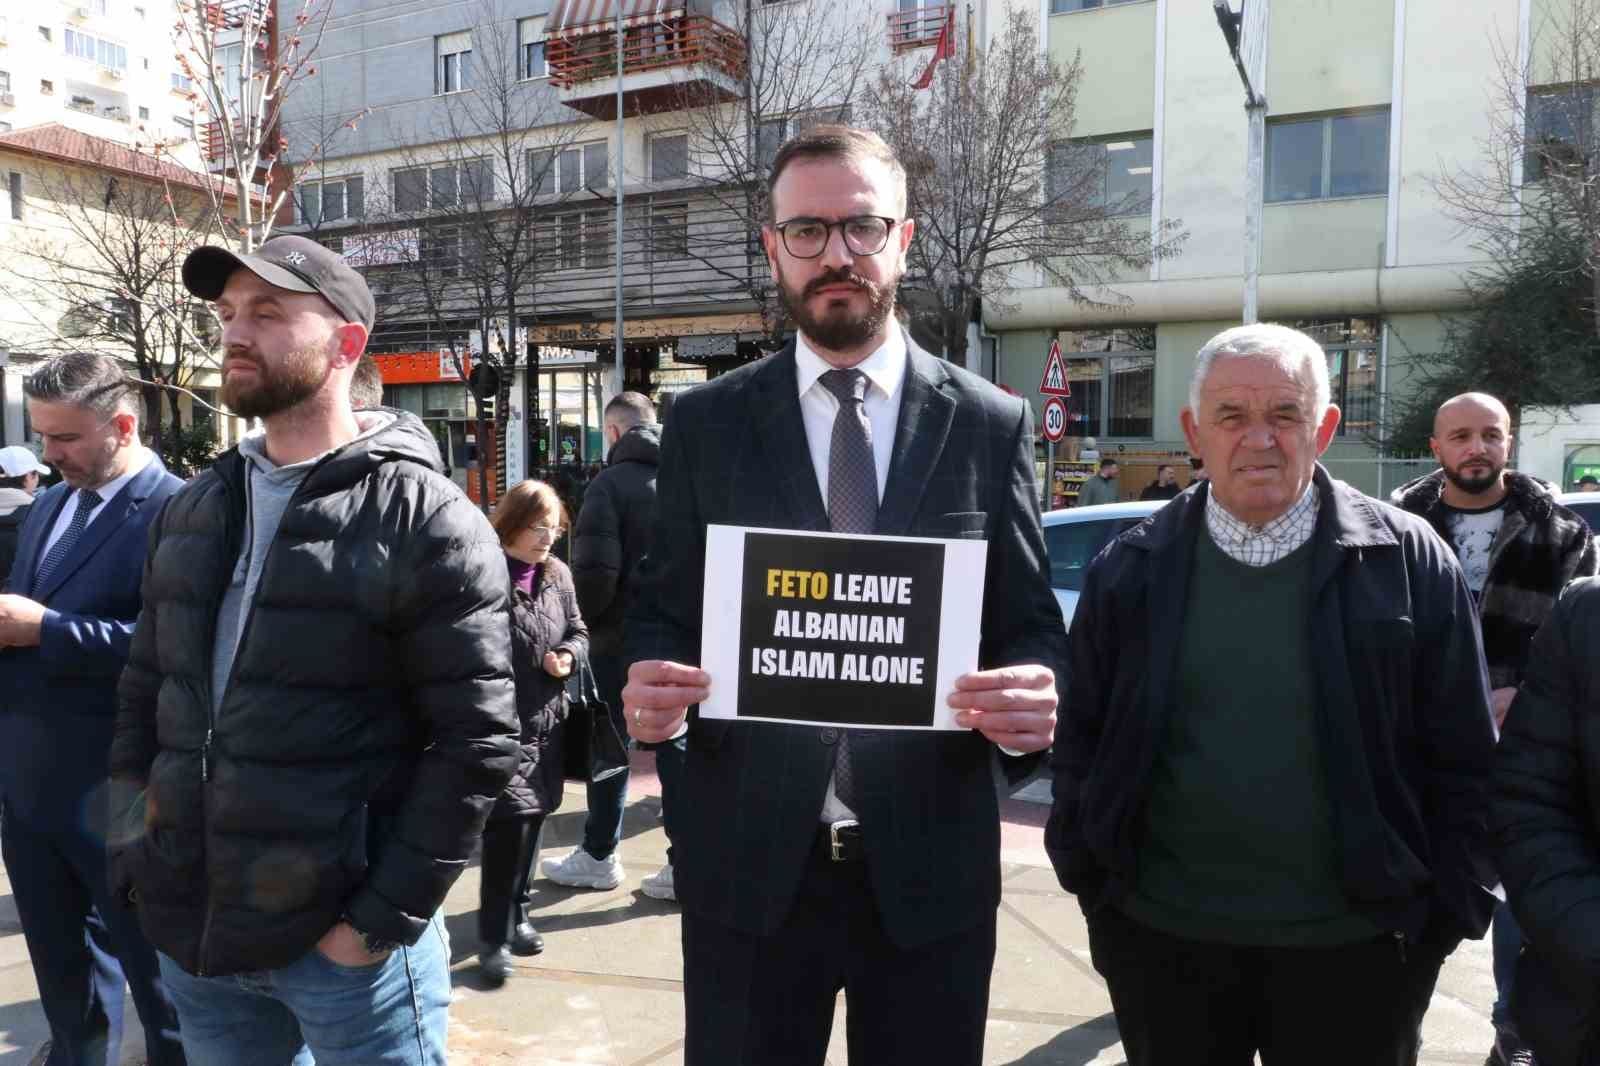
{"x":608,"y":988}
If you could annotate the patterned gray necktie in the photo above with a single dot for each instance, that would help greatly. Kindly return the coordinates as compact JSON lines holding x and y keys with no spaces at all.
{"x":852,"y":507}
{"x":88,"y":500}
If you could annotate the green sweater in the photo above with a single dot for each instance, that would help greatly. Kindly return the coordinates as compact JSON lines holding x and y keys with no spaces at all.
{"x":1238,"y":843}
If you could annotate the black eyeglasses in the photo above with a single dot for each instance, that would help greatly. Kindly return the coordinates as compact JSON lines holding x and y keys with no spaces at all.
{"x":807,"y":238}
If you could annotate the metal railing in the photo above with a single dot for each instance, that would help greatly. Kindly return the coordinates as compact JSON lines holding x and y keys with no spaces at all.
{"x":679,"y":42}
{"x":917,"y":27}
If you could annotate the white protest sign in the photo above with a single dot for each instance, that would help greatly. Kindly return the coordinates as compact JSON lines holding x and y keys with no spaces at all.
{"x":839,"y":629}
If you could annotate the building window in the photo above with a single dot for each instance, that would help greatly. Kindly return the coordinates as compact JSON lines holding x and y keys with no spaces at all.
{"x":144,"y":113}
{"x":332,"y":200}
{"x":95,"y":50}
{"x":1113,"y":378}
{"x":452,"y":58}
{"x":14,"y":186}
{"x":1111,"y":174}
{"x":45,"y":35}
{"x":47,"y":87}
{"x":568,"y":170}
{"x":1326,"y":157}
{"x":439,"y":249}
{"x":182,"y":82}
{"x":5,"y":81}
{"x":1062,"y":7}
{"x":669,"y":157}
{"x":530,"y":57}
{"x":771,"y":133}
{"x":669,"y":231}
{"x":450,"y":185}
{"x":1560,"y":132}
{"x":1352,"y":347}
{"x":579,"y":240}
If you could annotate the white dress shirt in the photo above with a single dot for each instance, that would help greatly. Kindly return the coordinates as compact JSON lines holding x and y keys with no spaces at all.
{"x":107,"y":492}
{"x":886,"y":374}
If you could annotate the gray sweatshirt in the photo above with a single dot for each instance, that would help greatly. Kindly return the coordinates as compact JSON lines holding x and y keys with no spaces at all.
{"x":270,"y":488}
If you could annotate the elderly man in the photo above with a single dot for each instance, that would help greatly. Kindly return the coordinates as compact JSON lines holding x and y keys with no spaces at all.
{"x":1270,"y":768}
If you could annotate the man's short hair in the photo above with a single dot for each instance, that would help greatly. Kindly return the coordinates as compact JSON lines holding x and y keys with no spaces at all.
{"x":1107,"y":461}
{"x":1287,"y":347}
{"x":1196,"y":463}
{"x":1163,"y":466}
{"x":1589,"y":479}
{"x":366,"y":385}
{"x":839,"y":143}
{"x":96,"y":383}
{"x":629,"y":409}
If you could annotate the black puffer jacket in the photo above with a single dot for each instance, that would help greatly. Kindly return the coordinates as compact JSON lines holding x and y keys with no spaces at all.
{"x":546,"y":621}
{"x":367,"y":727}
{"x":1546,"y":822}
{"x":613,"y":533}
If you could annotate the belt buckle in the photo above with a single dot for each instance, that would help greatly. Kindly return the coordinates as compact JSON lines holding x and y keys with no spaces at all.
{"x":835,"y":846}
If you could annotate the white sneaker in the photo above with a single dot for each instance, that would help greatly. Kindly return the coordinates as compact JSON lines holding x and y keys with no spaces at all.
{"x":582,"y":870}
{"x":659,"y":885}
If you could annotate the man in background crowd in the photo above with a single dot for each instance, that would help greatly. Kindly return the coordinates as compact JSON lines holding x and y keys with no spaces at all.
{"x":1164,"y":487}
{"x":611,"y":539}
{"x":1518,"y":548}
{"x":1102,"y":487}
{"x":19,"y":480}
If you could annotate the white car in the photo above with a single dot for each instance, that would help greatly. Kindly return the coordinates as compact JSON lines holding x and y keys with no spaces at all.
{"x":1073,"y":536}
{"x":1587,"y":504}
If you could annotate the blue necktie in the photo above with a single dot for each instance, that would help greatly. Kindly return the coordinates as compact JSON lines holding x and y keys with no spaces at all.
{"x":87,"y":501}
{"x":852,"y":508}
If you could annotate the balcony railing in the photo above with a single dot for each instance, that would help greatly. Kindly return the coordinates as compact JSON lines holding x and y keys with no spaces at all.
{"x":917,"y":27}
{"x":679,"y":42}
{"x":231,"y":14}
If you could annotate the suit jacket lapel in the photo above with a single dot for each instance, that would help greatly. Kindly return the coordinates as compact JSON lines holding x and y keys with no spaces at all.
{"x":31,"y":549}
{"x":926,"y":411}
{"x":116,"y":511}
{"x":782,"y":434}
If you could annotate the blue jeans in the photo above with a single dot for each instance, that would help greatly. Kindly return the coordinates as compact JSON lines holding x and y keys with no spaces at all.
{"x":315,"y":1012}
{"x":1505,"y":944}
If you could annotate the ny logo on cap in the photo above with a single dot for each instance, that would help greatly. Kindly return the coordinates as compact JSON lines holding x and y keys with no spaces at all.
{"x":295,"y":258}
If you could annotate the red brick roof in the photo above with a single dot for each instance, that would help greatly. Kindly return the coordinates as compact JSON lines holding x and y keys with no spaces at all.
{"x":52,"y":140}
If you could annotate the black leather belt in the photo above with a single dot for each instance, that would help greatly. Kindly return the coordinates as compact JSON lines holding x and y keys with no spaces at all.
{"x":842,"y":841}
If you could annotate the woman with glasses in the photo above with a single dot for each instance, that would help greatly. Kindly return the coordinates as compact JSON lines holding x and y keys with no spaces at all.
{"x":547,"y":638}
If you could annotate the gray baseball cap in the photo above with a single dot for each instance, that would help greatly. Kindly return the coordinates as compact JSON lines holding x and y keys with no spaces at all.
{"x":297,"y":264}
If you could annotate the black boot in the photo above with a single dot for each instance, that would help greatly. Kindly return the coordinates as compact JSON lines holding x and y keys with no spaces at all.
{"x":525,"y":939}
{"x":496,"y":965}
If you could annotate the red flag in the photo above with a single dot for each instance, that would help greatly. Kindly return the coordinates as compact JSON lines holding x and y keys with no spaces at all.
{"x":943,"y":48}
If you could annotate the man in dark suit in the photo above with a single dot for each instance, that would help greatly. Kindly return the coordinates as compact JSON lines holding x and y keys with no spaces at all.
{"x":811,"y":859}
{"x":66,"y":620}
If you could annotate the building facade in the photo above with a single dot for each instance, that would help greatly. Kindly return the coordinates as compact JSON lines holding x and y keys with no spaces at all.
{"x":1369,"y":102}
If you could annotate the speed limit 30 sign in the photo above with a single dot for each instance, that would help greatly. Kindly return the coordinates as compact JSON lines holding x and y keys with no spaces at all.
{"x":1055,"y":419}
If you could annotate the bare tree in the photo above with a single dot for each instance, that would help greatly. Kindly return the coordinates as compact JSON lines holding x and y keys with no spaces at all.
{"x":1537,"y":178}
{"x":802,"y":64}
{"x":243,"y":59}
{"x":123,"y":223}
{"x":998,"y":188}
{"x":462,"y":235}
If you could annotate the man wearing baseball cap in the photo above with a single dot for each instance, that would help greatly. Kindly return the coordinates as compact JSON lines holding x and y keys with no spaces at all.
{"x":19,"y":480}
{"x":326,"y":635}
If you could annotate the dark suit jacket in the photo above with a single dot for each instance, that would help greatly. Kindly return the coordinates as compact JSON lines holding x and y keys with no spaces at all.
{"x":58,"y":701}
{"x":735,"y":452}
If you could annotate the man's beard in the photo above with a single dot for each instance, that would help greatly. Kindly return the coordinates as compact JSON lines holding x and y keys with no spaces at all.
{"x":836,"y":328}
{"x":298,"y":377}
{"x":1472,"y":486}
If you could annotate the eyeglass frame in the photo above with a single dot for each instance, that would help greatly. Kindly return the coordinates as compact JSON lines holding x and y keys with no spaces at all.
{"x":782,"y":230}
{"x":554,"y":531}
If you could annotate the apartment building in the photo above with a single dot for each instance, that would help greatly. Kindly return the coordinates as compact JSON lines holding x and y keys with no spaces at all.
{"x":693,"y":271}
{"x":1369,"y":101}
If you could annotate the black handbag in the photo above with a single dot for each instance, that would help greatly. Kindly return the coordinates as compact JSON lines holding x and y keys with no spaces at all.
{"x":594,"y":748}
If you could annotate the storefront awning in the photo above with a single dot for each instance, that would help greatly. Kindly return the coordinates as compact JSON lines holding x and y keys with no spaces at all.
{"x":570,"y":17}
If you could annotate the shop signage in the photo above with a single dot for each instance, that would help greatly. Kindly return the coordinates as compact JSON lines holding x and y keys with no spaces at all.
{"x":839,"y":629}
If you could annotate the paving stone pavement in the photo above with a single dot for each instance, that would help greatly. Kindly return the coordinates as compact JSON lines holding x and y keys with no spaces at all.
{"x":607,"y":991}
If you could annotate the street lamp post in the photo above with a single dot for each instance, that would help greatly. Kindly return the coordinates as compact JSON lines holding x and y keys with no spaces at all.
{"x":1245,"y":33}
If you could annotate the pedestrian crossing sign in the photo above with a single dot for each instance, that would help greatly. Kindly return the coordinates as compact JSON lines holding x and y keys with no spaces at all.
{"x":1054,"y":382}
